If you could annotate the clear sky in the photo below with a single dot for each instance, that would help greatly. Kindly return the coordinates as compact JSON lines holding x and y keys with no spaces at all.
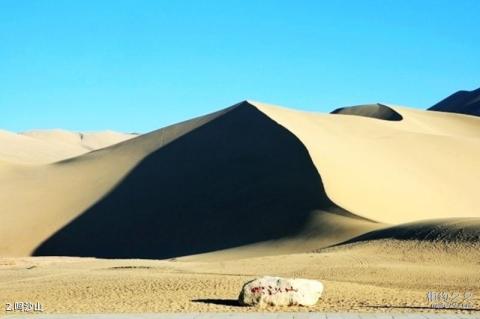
{"x":139,"y":65}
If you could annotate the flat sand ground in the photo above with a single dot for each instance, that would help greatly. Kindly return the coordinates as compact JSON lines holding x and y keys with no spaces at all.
{"x":375,"y":276}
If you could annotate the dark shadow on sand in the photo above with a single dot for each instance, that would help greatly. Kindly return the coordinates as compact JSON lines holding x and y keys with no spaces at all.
{"x":221,"y":302}
{"x":445,"y":230}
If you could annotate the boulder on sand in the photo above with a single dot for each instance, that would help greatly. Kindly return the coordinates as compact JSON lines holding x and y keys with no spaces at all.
{"x":277,"y":291}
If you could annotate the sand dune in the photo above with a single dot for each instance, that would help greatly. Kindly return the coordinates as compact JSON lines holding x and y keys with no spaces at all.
{"x":263,"y":178}
{"x":21,"y":149}
{"x":87,"y":140}
{"x":393,"y":171}
{"x":73,"y":186}
{"x":376,"y":111}
{"x":234,"y":171}
{"x":465,"y":102}
{"x":48,"y":146}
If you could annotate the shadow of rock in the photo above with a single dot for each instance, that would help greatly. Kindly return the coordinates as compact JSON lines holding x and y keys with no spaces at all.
{"x":221,"y":302}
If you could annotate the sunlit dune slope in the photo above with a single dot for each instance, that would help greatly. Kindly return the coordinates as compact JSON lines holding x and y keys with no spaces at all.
{"x":422,"y":167}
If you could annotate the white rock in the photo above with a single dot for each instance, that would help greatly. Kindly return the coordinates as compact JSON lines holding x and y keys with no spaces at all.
{"x":276,"y":291}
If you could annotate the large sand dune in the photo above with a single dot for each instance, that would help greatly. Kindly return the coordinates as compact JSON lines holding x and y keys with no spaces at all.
{"x":256,"y":177}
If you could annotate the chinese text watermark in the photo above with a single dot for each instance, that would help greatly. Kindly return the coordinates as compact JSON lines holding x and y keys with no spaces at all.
{"x":445,"y":299}
{"x":23,"y":306}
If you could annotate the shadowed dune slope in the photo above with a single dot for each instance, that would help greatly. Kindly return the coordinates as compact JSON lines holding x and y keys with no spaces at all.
{"x":464,"y":102}
{"x":376,"y":111}
{"x":445,"y":230}
{"x":36,"y":201}
{"x":236,"y":180}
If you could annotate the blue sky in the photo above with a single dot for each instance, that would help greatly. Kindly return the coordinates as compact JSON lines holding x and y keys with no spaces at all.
{"x":139,"y":65}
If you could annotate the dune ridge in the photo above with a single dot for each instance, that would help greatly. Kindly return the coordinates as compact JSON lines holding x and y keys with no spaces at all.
{"x":463,"y":102}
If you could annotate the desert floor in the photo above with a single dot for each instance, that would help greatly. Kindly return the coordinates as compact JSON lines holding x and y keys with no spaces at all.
{"x":372,"y":276}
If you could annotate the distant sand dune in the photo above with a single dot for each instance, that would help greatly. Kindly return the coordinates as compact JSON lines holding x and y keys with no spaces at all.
{"x":48,"y":146}
{"x":21,"y":149}
{"x":377,"y":111}
{"x":253,"y":179}
{"x":87,"y":140}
